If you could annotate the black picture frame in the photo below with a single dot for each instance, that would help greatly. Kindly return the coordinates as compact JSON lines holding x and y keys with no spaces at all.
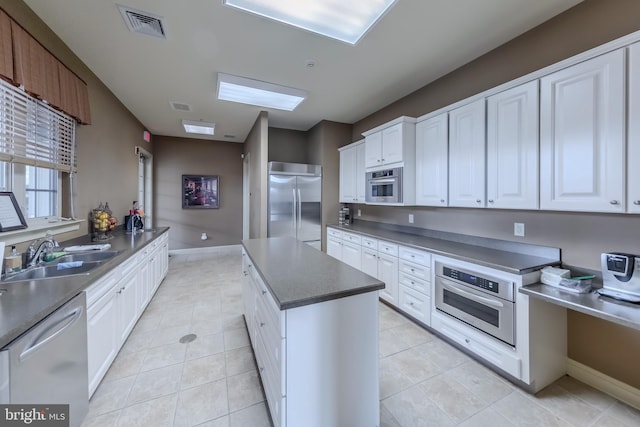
{"x":200,"y":191}
{"x":11,"y":217}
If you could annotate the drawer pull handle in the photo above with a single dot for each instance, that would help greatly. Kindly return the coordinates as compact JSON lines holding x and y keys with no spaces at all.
{"x":614,"y":202}
{"x":467,"y":340}
{"x":261,"y":324}
{"x":441,"y":200}
{"x":636,"y":202}
{"x":412,"y":270}
{"x":411,"y":303}
{"x":478,"y":201}
{"x":264,"y":292}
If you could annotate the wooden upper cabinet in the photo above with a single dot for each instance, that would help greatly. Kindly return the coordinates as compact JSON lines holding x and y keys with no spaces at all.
{"x":6,"y":47}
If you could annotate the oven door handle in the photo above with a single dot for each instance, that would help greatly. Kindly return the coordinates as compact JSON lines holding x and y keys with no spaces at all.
{"x":382,"y":181}
{"x":474,"y":297}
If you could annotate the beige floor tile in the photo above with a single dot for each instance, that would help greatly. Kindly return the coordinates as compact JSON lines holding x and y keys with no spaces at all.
{"x":443,"y":354}
{"x":244,"y":390}
{"x":414,"y":365}
{"x":412,"y":334}
{"x":391,"y":378}
{"x":240,"y":360}
{"x":523,"y":411}
{"x":412,"y":407}
{"x":254,"y":416}
{"x":125,"y":365}
{"x":205,"y":346}
{"x":169,"y":335}
{"x":218,"y":422}
{"x":157,"y":413}
{"x":389,"y":318}
{"x":593,"y":397}
{"x":106,"y":420}
{"x":233,"y":321}
{"x":203,"y":370}
{"x":153,"y":384}
{"x":480,"y":380}
{"x":110,"y":396}
{"x":148,"y":322}
{"x":563,"y":404}
{"x":203,"y":327}
{"x":138,"y":341}
{"x":235,"y":338}
{"x":386,"y":419}
{"x":606,"y":420}
{"x":625,"y":413}
{"x":162,"y":356}
{"x":487,"y":418}
{"x":202,"y":403}
{"x":178,"y":318}
{"x":389,"y":343}
{"x":452,"y":397}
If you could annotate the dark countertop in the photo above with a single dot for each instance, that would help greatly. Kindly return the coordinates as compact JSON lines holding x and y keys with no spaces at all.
{"x":620,"y":312}
{"x":298,"y":275}
{"x":25,"y":303}
{"x":505,"y":258}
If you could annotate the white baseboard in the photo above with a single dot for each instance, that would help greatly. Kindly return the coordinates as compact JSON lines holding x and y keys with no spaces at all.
{"x":209,"y":249}
{"x":606,"y":384}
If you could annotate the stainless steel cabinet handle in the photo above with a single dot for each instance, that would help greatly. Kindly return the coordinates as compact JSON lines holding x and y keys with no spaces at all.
{"x":478,"y":201}
{"x":636,"y":202}
{"x":261,"y":324}
{"x":490,"y":200}
{"x":441,"y":200}
{"x":467,"y":340}
{"x":614,"y":202}
{"x":264,"y":292}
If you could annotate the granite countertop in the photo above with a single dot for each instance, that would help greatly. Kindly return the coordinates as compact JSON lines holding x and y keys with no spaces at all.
{"x":502,"y":256}
{"x":25,"y":303}
{"x":620,"y":312}
{"x":298,"y":275}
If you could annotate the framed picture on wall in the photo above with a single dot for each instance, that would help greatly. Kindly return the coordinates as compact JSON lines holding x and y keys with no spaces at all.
{"x":200,"y":191}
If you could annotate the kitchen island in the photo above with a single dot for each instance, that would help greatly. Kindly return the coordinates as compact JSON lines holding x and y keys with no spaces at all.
{"x":313,"y":324}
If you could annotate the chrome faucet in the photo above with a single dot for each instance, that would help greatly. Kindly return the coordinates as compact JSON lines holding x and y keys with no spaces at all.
{"x":39,"y":247}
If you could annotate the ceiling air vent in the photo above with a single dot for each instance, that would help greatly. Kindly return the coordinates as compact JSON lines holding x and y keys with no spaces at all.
{"x":179,"y":106}
{"x":143,"y":22}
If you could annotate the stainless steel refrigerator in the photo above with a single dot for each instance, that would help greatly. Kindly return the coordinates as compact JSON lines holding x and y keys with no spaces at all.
{"x":294,"y":202}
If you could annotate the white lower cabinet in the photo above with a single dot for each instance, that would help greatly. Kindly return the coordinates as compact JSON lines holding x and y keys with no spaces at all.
{"x":115,"y":302}
{"x":415,"y":283}
{"x":388,"y":273}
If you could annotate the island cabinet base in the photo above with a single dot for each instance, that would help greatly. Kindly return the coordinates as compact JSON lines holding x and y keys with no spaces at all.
{"x":318,"y":362}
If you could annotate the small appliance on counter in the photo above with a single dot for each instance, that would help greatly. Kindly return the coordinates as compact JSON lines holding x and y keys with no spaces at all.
{"x":621,"y":276}
{"x":344,"y":216}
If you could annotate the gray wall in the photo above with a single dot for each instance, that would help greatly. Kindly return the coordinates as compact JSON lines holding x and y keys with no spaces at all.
{"x":174,"y":157}
{"x":256,"y":147}
{"x":604,"y":346}
{"x":287,"y":145}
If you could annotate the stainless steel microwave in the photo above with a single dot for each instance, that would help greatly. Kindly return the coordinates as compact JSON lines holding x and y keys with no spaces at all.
{"x":384,"y":186}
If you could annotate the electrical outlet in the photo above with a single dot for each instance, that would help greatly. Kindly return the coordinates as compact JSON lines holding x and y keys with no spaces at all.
{"x":518,"y":229}
{"x":410,"y":218}
{"x":359,"y":212}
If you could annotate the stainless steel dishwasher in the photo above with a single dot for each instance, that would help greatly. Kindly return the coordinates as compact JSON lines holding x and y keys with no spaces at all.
{"x":48,"y":363}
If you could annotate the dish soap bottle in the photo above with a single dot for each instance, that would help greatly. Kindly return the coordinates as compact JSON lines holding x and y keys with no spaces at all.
{"x":13,"y":263}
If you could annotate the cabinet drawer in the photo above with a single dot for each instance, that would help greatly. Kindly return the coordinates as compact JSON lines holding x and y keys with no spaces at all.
{"x":335,"y":233}
{"x":415,"y":255}
{"x":350,"y":237}
{"x":415,"y":270}
{"x":416,"y":304}
{"x":128,"y":265}
{"x":370,"y":243}
{"x":419,"y":285}
{"x":387,"y":248}
{"x":102,"y":286}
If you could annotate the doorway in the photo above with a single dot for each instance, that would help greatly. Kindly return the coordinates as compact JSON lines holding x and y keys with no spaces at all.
{"x":145,"y":185}
{"x":246,"y":195}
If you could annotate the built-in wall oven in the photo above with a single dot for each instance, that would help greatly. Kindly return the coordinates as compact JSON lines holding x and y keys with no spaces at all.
{"x":484,"y":302}
{"x":384,"y":186}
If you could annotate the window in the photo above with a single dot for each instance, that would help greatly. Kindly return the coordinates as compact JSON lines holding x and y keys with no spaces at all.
{"x":37,"y":144}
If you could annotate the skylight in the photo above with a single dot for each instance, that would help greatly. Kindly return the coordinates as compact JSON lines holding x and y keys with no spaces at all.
{"x":198,"y":127}
{"x":347,"y":21}
{"x":254,"y":92}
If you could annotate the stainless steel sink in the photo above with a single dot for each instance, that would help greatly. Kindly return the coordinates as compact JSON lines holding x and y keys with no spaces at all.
{"x":87,"y":256}
{"x":52,"y":271}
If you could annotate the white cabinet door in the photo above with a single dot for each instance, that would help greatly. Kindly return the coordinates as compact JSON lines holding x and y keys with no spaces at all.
{"x":334,"y":247}
{"x":102,"y":337}
{"x":512,"y":148}
{"x":633,"y":148}
{"x":127,"y":297}
{"x":388,"y":273}
{"x":352,"y":254}
{"x":432,"y":151}
{"x":392,"y":144}
{"x":467,"y":155}
{"x":361,"y":174}
{"x":582,"y":135}
{"x":373,"y":150}
{"x":348,"y":170}
{"x":369,"y":262}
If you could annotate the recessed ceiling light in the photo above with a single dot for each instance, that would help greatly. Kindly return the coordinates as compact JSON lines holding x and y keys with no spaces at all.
{"x":254,"y":92}
{"x":198,"y":127}
{"x":347,"y":21}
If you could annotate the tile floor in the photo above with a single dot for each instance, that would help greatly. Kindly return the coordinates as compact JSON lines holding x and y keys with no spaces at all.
{"x":212,"y":381}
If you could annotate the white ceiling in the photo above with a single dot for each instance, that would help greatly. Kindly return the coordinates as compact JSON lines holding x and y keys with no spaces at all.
{"x":416,"y":42}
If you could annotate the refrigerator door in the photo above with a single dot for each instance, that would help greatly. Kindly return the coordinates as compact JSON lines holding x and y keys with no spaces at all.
{"x":309,"y":197}
{"x":282,"y":206}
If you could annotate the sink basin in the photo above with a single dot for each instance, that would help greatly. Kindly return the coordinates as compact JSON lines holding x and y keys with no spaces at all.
{"x":87,"y":256}
{"x":52,"y":271}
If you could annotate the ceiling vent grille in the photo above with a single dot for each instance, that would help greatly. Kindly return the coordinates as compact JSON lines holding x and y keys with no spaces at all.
{"x":179,"y":106}
{"x":143,"y":22}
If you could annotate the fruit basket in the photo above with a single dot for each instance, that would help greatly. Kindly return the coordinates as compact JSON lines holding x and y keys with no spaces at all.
{"x":102,"y":223}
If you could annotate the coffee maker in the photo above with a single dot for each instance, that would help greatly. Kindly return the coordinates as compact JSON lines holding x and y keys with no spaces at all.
{"x":620,"y":276}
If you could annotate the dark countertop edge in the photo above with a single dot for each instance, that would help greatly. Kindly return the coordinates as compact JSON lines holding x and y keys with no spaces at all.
{"x":583,"y":303}
{"x":83,"y":282}
{"x":315,"y":299}
{"x":537,"y":262}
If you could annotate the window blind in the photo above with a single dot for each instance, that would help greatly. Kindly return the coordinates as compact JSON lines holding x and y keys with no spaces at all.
{"x":33,"y":133}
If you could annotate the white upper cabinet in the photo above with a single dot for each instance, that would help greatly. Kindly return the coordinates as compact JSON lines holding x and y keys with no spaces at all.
{"x":512,"y":148}
{"x":390,"y":145}
{"x":352,"y":173}
{"x":432,"y":148}
{"x":467,"y":146}
{"x":582,"y":136}
{"x":633,"y":147}
{"x":361,"y":174}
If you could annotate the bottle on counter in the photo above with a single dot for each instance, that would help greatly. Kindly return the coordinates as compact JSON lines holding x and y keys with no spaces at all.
{"x":13,"y":262}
